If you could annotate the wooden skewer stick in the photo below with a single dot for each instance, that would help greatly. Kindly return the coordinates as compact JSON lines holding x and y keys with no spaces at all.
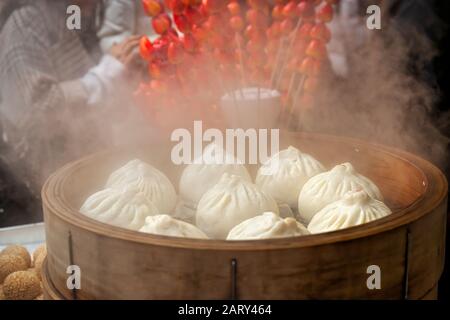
{"x":241,"y":62}
{"x":229,"y":91}
{"x":288,"y":52}
{"x":287,"y":110}
{"x":259,"y":105}
{"x":291,"y":83}
{"x":223,"y":85}
{"x":298,"y":92}
{"x":273,"y":77}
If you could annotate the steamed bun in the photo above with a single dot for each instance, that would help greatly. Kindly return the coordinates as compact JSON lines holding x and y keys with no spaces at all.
{"x":184,"y":212}
{"x":266,"y":226}
{"x":168,"y":226}
{"x":231,"y":201}
{"x":152,"y":182}
{"x":330,"y":186}
{"x":354,"y":209}
{"x":126,"y":208}
{"x":292,"y":169}
{"x":206,"y":171}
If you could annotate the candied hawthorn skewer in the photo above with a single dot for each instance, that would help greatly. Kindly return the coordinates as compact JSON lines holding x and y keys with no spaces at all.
{"x":288,"y":52}
{"x":275,"y":41}
{"x":237,"y":25}
{"x":167,"y":53}
{"x":284,"y":14}
{"x":301,"y":15}
{"x":257,"y":17}
{"x":316,"y":52}
{"x":153,"y":7}
{"x":303,"y":37}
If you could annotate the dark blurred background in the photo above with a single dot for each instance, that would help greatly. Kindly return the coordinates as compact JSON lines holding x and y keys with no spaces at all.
{"x":441,"y":67}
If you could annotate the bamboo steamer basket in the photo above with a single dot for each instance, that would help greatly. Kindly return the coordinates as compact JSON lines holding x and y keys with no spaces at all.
{"x":115,"y":263}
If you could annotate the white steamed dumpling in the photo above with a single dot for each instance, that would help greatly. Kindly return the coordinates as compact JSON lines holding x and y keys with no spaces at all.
{"x":168,"y":226}
{"x":330,"y":186}
{"x":288,"y":171}
{"x":184,"y":212}
{"x":126,"y":208}
{"x":266,"y":226}
{"x":206,"y":171}
{"x":285,"y":211}
{"x":152,"y":182}
{"x":356,"y":208}
{"x":231,"y":201}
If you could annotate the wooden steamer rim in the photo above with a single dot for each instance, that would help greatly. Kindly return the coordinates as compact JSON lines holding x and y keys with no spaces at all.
{"x":431,"y":199}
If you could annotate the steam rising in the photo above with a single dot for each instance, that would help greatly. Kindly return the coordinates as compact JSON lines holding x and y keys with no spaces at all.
{"x":384,"y":99}
{"x":387,"y":97}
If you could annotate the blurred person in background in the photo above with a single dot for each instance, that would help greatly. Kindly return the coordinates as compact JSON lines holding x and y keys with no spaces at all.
{"x":55,"y":85}
{"x":350,"y":32}
{"x":402,"y":64}
{"x":123,"y":19}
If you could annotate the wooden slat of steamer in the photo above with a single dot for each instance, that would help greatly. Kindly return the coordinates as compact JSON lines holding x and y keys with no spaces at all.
{"x":427,"y":248}
{"x":49,"y":291}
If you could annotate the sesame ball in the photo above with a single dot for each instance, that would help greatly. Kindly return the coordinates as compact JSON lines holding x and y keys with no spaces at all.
{"x":2,"y":295}
{"x":9,"y":264}
{"x":38,"y":265}
{"x":39,"y":250}
{"x":20,"y":251}
{"x":33,"y":270}
{"x":21,"y":285}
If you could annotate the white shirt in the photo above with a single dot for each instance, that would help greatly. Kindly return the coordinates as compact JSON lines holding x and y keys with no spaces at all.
{"x":123,"y":18}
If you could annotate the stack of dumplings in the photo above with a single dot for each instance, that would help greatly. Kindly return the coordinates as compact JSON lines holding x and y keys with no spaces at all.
{"x":293,"y":195}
